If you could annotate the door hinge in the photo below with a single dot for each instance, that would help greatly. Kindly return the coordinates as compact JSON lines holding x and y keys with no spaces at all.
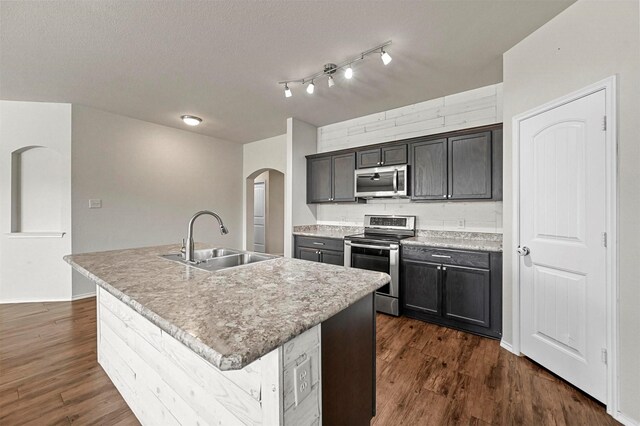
{"x":603,"y":355}
{"x":604,"y":123}
{"x":604,"y":239}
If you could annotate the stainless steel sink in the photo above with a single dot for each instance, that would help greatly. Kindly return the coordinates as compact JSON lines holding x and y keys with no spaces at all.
{"x":220,"y":258}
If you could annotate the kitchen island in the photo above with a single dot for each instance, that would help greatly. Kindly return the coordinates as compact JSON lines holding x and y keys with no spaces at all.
{"x":254,"y":344}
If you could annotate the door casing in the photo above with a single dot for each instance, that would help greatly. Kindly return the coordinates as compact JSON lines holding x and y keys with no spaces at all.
{"x":609,"y":85}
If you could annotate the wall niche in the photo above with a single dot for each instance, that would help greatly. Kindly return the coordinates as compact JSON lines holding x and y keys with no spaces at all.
{"x":37,"y":184}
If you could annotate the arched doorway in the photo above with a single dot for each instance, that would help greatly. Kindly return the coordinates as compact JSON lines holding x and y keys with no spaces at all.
{"x":265,"y":211}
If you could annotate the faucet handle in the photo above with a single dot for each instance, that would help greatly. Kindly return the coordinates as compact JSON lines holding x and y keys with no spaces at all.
{"x":183,"y":250}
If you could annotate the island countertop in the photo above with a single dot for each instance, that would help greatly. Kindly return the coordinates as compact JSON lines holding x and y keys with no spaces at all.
{"x":233,"y":316}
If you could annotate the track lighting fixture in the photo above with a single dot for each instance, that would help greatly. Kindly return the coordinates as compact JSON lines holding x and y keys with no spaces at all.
{"x":330,"y":69}
{"x":348,"y":73}
{"x":386,"y":58}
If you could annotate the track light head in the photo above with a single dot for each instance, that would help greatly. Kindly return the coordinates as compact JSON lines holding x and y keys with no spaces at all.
{"x":310,"y":88}
{"x":330,"y":81}
{"x":348,"y":73}
{"x":386,"y":58}
{"x":287,"y":91}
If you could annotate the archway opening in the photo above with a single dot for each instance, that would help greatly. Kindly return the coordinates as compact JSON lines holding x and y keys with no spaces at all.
{"x":265,"y":211}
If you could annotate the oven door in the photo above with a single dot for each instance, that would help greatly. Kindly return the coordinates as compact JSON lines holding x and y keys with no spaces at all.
{"x":376,"y":258}
{"x":381,"y":182}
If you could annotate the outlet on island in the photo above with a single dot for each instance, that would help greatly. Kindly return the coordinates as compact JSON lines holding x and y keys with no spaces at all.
{"x":302,"y":378}
{"x":460,"y":223}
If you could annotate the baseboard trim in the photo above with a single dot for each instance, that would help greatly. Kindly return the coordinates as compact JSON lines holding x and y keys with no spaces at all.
{"x":507,"y":346}
{"x":71,"y":299}
{"x":84,"y":295}
{"x":625,"y":420}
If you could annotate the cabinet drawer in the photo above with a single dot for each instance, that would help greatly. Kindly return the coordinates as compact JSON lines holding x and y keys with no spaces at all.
{"x":320,"y":243}
{"x":447,"y":256}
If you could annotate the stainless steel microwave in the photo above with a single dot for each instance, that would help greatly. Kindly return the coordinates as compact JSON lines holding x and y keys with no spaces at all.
{"x":382,"y":182}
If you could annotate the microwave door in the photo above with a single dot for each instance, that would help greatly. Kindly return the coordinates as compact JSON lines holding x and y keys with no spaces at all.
{"x":388,"y":182}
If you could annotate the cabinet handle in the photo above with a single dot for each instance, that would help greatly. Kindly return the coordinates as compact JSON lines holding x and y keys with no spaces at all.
{"x":382,"y":163}
{"x":441,"y":255}
{"x":439,"y":268}
{"x":317,"y":243}
{"x":445,"y":196}
{"x":444,"y":268}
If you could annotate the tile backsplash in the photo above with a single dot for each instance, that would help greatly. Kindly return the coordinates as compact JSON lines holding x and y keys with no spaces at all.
{"x":474,"y":216}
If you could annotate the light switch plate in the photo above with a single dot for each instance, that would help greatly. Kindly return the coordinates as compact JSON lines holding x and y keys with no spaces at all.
{"x":95,"y":203}
{"x":302,"y":380}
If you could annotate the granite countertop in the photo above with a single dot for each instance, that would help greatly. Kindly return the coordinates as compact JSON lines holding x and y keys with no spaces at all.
{"x":233,"y":316}
{"x":457,"y":240}
{"x":327,"y":231}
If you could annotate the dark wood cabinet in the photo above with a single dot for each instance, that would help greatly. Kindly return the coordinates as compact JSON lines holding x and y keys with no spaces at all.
{"x":331,"y":178}
{"x":422,"y":287}
{"x":319,"y":182}
{"x":469,"y":166}
{"x":343,"y":167}
{"x":461,"y":289}
{"x":466,"y":294}
{"x":386,"y":156}
{"x":463,"y":166}
{"x":429,"y":170}
{"x":369,"y":158}
{"x":318,"y":249}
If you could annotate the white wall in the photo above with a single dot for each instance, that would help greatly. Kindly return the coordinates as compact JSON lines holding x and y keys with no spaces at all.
{"x":151,"y":180}
{"x":32,"y":269}
{"x":259,"y":156}
{"x":589,"y":41}
{"x":301,"y":141}
{"x":472,"y":108}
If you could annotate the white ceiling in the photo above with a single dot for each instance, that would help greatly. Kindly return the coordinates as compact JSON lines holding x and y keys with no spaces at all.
{"x":221,"y":60}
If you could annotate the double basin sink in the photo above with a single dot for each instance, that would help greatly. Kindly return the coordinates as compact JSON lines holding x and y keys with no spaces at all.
{"x":215,"y":259}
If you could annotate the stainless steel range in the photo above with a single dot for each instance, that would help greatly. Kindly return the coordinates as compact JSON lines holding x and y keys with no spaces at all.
{"x":378,"y":249}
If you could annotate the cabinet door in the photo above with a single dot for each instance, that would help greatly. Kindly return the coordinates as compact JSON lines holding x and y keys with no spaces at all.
{"x":332,"y":257}
{"x":305,"y":253}
{"x":369,"y":158}
{"x":470,"y":166}
{"x":343,"y":177}
{"x":319,"y":180}
{"x":392,"y":155}
{"x":421,"y":287}
{"x":467,"y":296}
{"x":429,"y":170}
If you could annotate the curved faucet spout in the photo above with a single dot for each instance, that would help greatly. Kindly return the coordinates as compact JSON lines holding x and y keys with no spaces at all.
{"x":189,"y":246}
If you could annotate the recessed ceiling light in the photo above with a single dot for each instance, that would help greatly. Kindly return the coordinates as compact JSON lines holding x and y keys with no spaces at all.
{"x":191,"y":120}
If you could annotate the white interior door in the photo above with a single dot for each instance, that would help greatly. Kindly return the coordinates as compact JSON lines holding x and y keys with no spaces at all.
{"x":259,"y":222}
{"x":562,"y":224}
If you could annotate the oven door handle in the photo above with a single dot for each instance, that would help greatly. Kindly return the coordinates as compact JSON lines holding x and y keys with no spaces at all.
{"x":387,"y":248}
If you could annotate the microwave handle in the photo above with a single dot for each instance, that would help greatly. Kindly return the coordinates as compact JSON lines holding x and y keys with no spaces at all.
{"x":395,"y":181}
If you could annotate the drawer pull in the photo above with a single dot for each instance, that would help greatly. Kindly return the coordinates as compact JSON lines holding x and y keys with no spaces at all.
{"x":318,"y":244}
{"x":441,"y":255}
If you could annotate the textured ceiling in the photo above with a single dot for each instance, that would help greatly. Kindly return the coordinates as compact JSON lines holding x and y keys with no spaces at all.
{"x":221,"y":60}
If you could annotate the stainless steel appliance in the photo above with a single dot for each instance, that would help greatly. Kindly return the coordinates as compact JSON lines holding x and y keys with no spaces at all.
{"x":378,"y":249}
{"x":382,"y":182}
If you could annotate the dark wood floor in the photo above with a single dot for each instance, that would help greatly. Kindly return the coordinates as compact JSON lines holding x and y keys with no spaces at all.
{"x":426,"y":375}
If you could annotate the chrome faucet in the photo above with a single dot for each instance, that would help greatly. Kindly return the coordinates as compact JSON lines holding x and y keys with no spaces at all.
{"x":187,"y":248}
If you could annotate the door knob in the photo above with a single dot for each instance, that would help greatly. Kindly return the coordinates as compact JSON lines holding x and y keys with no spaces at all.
{"x":523,"y":251}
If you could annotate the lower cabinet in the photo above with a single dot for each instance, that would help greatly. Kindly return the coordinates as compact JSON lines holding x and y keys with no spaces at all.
{"x":462,"y":289}
{"x":318,"y":249}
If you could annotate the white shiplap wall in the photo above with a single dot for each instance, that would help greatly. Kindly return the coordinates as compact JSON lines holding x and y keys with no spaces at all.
{"x":472,"y":108}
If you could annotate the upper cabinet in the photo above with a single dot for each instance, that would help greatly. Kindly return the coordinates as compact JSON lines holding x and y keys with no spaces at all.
{"x":461,"y":167}
{"x":330,"y":178}
{"x":386,"y":156}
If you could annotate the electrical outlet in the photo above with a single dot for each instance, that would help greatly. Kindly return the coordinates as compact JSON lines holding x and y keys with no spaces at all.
{"x":460,"y":223}
{"x":95,"y":204}
{"x":302,"y":380}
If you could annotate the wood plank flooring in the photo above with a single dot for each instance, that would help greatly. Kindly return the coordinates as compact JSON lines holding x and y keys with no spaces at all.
{"x":426,"y":375}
